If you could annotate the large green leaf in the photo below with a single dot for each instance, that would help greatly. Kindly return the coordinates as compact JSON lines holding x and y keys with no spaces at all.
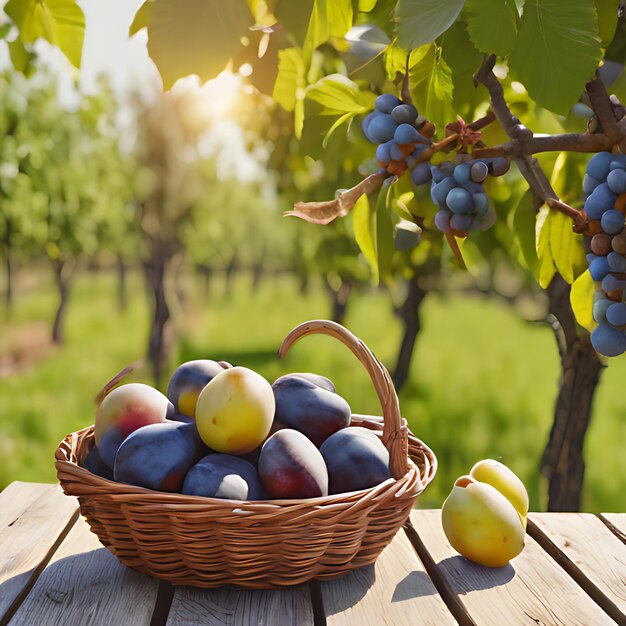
{"x":61,"y":22}
{"x":556,"y":51}
{"x":421,"y":21}
{"x":524,"y":230}
{"x":581,"y":299}
{"x":142,"y":18}
{"x":492,"y":25}
{"x":363,"y":224}
{"x":430,"y":79}
{"x":329,"y":18}
{"x":195,"y":36}
{"x":607,"y":11}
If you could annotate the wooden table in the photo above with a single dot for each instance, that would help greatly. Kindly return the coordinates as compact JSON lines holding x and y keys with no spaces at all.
{"x":572,"y":571}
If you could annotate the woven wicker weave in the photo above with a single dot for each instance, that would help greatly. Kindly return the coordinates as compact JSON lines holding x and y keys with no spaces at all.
{"x":208,"y":542}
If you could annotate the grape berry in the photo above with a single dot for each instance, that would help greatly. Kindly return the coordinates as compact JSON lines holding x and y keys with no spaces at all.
{"x":395,"y":127}
{"x":455,"y":188}
{"x":605,"y":242}
{"x":458,"y":192}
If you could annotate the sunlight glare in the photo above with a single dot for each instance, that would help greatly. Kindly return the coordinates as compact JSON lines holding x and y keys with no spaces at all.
{"x":215,"y":100}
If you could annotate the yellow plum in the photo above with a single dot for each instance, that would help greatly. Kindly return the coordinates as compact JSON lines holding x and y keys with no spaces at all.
{"x":234,"y":412}
{"x":505,"y":481}
{"x":481,"y":524}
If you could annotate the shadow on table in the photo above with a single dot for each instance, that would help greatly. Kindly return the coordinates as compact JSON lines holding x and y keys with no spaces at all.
{"x":466,"y":576}
{"x":344,"y":592}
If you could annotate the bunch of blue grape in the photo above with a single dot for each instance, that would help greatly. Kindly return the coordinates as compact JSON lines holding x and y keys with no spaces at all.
{"x":458,"y":192}
{"x":395,"y":126}
{"x":605,"y":244}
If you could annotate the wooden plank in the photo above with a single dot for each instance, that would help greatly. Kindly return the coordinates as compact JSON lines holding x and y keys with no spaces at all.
{"x":533,"y":588}
{"x":241,"y":607}
{"x":617,"y":523}
{"x":85,"y":584}
{"x":589,"y":552}
{"x":394,"y":590}
{"x":35,"y":518}
{"x":17,"y":497}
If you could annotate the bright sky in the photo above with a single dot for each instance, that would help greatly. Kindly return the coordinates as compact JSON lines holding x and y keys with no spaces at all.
{"x":108,"y":48}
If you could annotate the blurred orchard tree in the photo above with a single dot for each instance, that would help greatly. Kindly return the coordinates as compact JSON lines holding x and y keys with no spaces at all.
{"x":64,"y":185}
{"x":540,"y":64}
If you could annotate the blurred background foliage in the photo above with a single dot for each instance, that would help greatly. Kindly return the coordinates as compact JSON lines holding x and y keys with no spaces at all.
{"x":153,"y":227}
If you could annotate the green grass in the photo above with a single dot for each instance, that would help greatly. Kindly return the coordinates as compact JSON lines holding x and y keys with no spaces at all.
{"x":482,"y":384}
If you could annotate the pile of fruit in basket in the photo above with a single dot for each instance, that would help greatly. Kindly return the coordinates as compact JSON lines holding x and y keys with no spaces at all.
{"x":225,"y":432}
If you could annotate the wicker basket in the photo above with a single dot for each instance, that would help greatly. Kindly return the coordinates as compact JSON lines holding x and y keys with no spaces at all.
{"x":208,"y":542}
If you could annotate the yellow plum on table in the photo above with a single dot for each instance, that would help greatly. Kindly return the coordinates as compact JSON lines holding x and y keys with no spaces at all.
{"x":505,"y":481}
{"x":234,"y":412}
{"x":481,"y":524}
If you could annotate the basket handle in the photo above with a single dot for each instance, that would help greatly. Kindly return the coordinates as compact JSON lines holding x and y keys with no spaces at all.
{"x":395,"y":433}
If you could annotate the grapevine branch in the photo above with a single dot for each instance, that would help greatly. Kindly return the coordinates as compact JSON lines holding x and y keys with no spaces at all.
{"x":523,"y":138}
{"x":610,"y":115}
{"x":325,"y":212}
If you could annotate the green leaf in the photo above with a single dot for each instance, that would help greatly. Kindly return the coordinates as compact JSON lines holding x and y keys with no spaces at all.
{"x":262,"y":12}
{"x":492,"y":25}
{"x":566,"y":247}
{"x":581,"y":299}
{"x":546,"y":269}
{"x":384,"y":231}
{"x":142,"y":18}
{"x":430,"y":79}
{"x":524,"y":230}
{"x":21,"y":58}
{"x":367,"y":5}
{"x":607,"y":11}
{"x":556,"y":51}
{"x":558,"y":247}
{"x":421,"y":21}
{"x":337,"y":95}
{"x":363,"y":224}
{"x":195,"y":36}
{"x":330,"y":18}
{"x":337,"y":123}
{"x":567,"y":176}
{"x":290,"y":79}
{"x":61,"y":22}
{"x":395,"y":61}
{"x":5,"y":29}
{"x":295,"y":17}
{"x":463,"y":59}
